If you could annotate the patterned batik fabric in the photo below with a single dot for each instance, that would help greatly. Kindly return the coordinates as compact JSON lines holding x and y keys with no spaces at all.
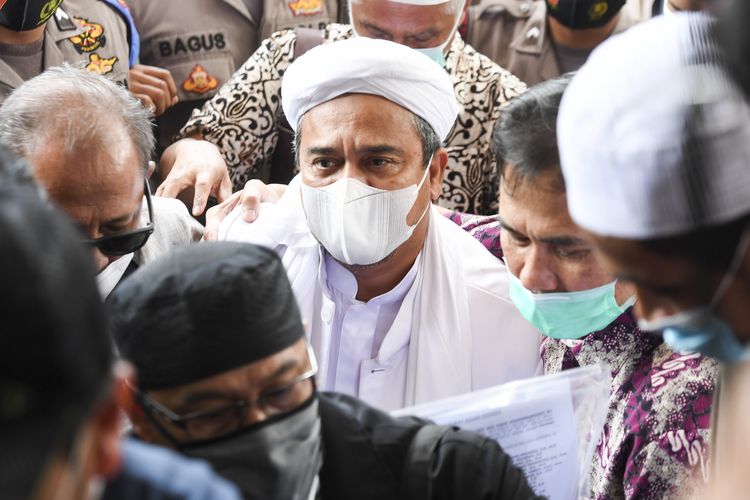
{"x":655,"y":441}
{"x":485,"y":229}
{"x":243,"y":118}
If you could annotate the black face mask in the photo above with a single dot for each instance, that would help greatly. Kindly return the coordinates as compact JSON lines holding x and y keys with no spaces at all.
{"x":24,"y":15}
{"x":278,"y":459}
{"x":583,"y":14}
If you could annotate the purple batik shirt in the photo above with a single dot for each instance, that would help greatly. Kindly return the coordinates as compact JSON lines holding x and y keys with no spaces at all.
{"x":654,"y":444}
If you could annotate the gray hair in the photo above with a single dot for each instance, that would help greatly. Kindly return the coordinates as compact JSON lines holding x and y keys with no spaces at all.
{"x":427,"y":136}
{"x":76,"y":107}
{"x":450,"y":6}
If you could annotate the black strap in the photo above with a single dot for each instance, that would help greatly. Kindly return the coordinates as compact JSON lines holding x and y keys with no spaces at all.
{"x":282,"y":163}
{"x":415,"y":483}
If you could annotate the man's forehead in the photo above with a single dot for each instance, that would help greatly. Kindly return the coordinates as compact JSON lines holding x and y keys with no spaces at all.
{"x":404,"y":16}
{"x":534,"y":204}
{"x":368,"y":112}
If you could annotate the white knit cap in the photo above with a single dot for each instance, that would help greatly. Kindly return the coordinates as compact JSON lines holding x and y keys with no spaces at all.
{"x":654,"y":137}
{"x":368,"y":66}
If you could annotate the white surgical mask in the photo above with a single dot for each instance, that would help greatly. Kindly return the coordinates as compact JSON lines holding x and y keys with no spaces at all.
{"x":359,"y":224}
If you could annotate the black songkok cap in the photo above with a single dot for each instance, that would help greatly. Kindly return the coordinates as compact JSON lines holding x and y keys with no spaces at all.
{"x":203,"y":310}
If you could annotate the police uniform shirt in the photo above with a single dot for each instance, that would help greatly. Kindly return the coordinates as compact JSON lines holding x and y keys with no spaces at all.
{"x":85,"y":33}
{"x":205,"y":41}
{"x":244,"y":117}
{"x":514,"y":34}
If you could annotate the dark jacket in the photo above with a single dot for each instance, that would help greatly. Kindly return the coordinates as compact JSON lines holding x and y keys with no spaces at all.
{"x":370,"y":455}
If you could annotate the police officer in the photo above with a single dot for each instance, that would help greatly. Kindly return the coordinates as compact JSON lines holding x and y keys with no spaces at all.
{"x":38,"y":34}
{"x":97,"y":35}
{"x":540,"y":39}
{"x":209,"y":39}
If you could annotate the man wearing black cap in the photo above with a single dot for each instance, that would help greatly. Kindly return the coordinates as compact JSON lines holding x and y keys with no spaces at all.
{"x":59,"y":394}
{"x":226,"y":375}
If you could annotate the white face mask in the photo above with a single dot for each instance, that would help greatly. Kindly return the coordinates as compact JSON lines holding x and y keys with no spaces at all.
{"x":359,"y":224}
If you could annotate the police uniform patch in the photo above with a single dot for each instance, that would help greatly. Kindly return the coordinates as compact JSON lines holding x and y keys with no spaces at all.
{"x":306,"y":7}
{"x":598,"y":10}
{"x":92,"y":37}
{"x":100,"y":65}
{"x":199,"y":81}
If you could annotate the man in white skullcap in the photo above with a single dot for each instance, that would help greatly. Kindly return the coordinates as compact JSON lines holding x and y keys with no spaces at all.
{"x":241,"y":134}
{"x":402,"y":306}
{"x":655,"y":150}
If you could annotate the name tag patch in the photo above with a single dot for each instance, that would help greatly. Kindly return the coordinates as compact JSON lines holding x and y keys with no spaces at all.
{"x":190,"y":44}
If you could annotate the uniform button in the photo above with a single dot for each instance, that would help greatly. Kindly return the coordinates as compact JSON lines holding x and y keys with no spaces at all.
{"x":524,"y":8}
{"x":533,"y":33}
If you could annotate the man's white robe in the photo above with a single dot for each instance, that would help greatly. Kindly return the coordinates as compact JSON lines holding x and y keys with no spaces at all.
{"x":456,"y":330}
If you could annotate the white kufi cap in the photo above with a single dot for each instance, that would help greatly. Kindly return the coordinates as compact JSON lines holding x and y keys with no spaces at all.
{"x":654,"y":137}
{"x":368,"y":66}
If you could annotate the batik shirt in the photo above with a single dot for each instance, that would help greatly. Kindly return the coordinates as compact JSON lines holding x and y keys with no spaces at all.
{"x":654,"y":444}
{"x":243,"y":118}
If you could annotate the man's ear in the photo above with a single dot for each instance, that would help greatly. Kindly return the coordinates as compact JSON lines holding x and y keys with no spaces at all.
{"x":437,"y":171}
{"x":142,"y":426}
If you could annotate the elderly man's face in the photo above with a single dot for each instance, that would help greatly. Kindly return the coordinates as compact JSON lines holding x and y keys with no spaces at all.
{"x":416,"y":26}
{"x":542,"y":245}
{"x":369,"y":139}
{"x":271,"y":380}
{"x":100,"y":188}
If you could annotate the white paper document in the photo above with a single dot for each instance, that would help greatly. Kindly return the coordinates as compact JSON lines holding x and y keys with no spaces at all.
{"x":535,"y":422}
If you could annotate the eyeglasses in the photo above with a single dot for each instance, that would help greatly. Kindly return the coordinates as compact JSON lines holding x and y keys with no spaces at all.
{"x":129,"y":241}
{"x":229,"y":418}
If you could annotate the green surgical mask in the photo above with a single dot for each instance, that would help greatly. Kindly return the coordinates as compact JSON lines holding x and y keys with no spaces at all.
{"x":568,"y":315}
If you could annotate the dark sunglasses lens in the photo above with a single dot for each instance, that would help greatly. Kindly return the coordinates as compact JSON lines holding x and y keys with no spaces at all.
{"x":122,"y":245}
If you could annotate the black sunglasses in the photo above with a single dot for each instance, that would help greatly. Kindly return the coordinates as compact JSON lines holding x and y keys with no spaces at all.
{"x":129,"y":241}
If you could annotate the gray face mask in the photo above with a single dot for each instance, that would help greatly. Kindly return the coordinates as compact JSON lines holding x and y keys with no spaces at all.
{"x":277,"y":459}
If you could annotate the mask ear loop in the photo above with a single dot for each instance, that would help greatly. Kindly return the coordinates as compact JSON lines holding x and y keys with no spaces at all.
{"x":25,"y":14}
{"x":573,"y":13}
{"x":419,"y":188}
{"x":734,"y":268}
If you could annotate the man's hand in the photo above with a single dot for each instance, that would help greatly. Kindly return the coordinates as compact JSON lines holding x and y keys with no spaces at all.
{"x":195,"y":163}
{"x":255,"y":193}
{"x":154,"y":87}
